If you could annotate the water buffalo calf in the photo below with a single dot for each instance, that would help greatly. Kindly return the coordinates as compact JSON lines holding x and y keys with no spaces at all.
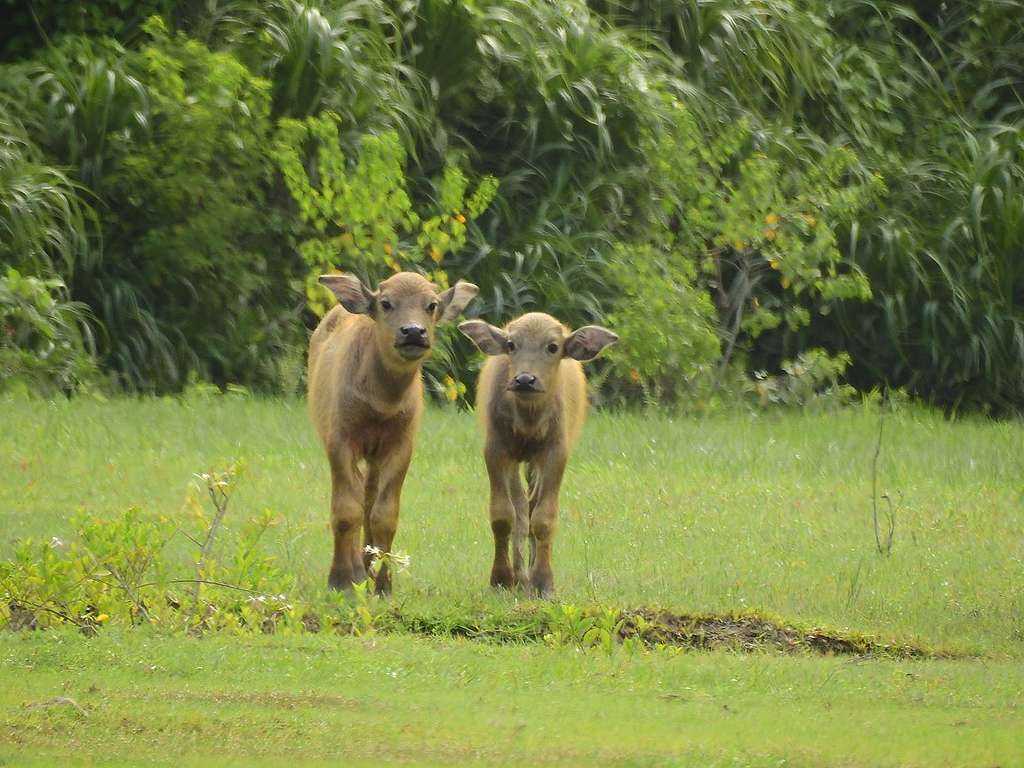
{"x":365,"y":400}
{"x":532,"y":398}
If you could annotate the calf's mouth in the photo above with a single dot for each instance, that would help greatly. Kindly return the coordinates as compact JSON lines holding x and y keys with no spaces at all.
{"x":525,"y":390}
{"x":411,"y":349}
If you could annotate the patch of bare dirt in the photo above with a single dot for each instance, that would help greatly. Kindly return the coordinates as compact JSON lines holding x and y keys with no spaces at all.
{"x":751,"y":633}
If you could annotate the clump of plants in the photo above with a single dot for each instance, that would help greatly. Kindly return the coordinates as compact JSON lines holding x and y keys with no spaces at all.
{"x":45,"y":341}
{"x":359,"y":212}
{"x":120,"y":571}
{"x":814,"y":381}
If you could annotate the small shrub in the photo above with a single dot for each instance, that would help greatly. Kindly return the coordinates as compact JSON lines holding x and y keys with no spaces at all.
{"x":360,"y":214}
{"x":812,"y":381}
{"x":44,"y":339}
{"x":118,"y":571}
{"x":666,"y":324}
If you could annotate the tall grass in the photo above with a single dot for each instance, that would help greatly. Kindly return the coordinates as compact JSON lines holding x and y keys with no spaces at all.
{"x":44,"y":223}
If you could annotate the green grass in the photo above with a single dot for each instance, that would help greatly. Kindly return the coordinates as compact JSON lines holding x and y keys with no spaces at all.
{"x":322,"y":700}
{"x":729,"y":513}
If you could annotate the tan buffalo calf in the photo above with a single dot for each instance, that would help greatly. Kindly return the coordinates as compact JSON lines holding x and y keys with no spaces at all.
{"x":532,"y":398}
{"x":365,"y":400}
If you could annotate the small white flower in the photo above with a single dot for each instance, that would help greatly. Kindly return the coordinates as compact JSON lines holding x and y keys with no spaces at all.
{"x":56,"y":543}
{"x":400,"y":561}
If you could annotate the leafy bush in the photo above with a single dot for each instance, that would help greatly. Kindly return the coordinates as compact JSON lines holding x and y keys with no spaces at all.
{"x":666,"y":324}
{"x":761,"y":228}
{"x":29,"y":25}
{"x":193,"y":275}
{"x":558,"y":111}
{"x":813,"y":381}
{"x":200,"y":259}
{"x":361,"y":214}
{"x":44,"y":339}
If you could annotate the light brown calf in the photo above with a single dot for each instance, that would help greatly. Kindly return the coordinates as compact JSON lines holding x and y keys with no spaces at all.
{"x":365,"y":400}
{"x":532,"y":397}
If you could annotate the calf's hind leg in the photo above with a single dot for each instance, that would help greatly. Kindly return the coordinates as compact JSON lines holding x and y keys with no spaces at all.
{"x":388,"y":478}
{"x":520,"y":527}
{"x":369,"y":496}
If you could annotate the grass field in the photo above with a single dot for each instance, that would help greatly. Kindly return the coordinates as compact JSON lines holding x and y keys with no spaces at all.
{"x":730,"y":513}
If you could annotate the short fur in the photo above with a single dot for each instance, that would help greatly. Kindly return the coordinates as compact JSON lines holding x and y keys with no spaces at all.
{"x":532,"y":400}
{"x":365,"y":401}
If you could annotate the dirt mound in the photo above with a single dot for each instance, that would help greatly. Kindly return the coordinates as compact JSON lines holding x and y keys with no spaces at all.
{"x":745,"y":632}
{"x":749,"y":632}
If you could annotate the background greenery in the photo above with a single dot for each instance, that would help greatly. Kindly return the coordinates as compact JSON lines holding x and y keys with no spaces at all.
{"x":731,"y":183}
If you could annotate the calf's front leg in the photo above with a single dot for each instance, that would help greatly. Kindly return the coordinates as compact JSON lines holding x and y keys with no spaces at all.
{"x":548,"y":470}
{"x":500,"y":467}
{"x":346,"y":522}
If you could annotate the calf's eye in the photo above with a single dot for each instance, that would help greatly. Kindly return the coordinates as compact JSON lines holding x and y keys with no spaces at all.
{"x":552,"y":347}
{"x":385,"y":305}
{"x":511,"y":346}
{"x":432,"y":307}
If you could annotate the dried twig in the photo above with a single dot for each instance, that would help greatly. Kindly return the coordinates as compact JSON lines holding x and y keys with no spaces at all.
{"x":884,"y":547}
{"x":209,"y":582}
{"x":61,"y":614}
{"x":59,"y":701}
{"x":218,"y":485}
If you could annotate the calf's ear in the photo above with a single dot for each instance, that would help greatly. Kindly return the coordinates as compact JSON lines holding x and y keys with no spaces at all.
{"x":352,"y":294}
{"x":455,"y":299}
{"x":490,"y":340}
{"x":585,"y":343}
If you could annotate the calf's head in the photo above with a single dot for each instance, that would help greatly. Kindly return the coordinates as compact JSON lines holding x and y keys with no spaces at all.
{"x":535,"y":344}
{"x":405,"y":308}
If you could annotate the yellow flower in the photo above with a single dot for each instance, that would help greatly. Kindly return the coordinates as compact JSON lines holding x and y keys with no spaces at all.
{"x":785,"y":282}
{"x":738,"y":245}
{"x":435,"y":254}
{"x":101,"y":618}
{"x":634,"y":375}
{"x":769,"y":234}
{"x":774,"y":264}
{"x":771,"y":219}
{"x":460,"y":218}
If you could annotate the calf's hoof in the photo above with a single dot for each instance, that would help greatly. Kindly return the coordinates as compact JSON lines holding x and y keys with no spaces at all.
{"x":339,"y":581}
{"x":501,"y":577}
{"x":382,"y":584}
{"x":542,"y":584}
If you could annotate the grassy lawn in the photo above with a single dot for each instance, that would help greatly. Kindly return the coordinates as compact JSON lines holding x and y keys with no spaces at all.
{"x":733,"y":512}
{"x":323,"y":700}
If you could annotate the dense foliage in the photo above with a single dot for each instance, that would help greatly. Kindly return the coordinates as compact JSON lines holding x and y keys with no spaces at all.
{"x":731,"y":183}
